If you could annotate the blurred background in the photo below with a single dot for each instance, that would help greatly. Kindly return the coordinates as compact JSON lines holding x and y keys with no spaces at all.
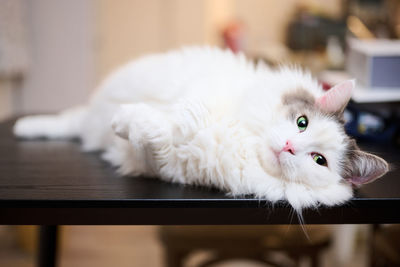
{"x":54,"y":53}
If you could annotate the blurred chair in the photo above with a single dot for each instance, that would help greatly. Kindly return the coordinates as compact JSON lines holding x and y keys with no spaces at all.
{"x":386,"y":246}
{"x":256,"y":243}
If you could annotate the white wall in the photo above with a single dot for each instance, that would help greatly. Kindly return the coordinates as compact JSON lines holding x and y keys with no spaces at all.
{"x":127,"y":29}
{"x":6,"y":99}
{"x":75,"y":44}
{"x":61,"y":73}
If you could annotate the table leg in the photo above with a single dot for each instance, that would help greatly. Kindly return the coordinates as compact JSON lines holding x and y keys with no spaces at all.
{"x":47,"y":254}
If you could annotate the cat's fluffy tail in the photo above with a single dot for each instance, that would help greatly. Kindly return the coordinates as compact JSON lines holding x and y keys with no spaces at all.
{"x":66,"y":124}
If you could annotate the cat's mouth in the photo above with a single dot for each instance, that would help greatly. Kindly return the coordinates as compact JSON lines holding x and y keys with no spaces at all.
{"x":278,"y":155}
{"x":283,"y":163}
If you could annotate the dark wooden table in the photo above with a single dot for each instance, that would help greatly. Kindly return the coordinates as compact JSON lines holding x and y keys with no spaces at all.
{"x":51,"y":182}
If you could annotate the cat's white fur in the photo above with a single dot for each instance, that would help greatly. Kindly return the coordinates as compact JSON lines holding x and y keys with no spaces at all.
{"x":206,"y":116}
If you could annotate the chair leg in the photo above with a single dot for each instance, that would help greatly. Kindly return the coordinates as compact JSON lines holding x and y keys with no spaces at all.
{"x":314,"y":260}
{"x":174,"y":257}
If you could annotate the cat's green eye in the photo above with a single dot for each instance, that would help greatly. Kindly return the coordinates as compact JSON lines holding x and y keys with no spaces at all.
{"x":319,"y":159}
{"x":302,"y":123}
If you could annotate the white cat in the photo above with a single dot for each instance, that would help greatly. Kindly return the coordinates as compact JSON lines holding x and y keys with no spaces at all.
{"x":205,"y":116}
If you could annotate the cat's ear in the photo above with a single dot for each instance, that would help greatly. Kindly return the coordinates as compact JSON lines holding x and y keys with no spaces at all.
{"x":362,"y":167}
{"x":336,"y":98}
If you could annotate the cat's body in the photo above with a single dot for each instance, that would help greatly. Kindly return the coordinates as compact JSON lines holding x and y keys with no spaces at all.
{"x":209,"y":117}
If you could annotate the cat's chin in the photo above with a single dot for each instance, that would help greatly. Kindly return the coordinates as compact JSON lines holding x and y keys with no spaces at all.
{"x":301,"y":196}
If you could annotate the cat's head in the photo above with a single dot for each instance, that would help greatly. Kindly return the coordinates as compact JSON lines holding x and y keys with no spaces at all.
{"x":311,"y":147}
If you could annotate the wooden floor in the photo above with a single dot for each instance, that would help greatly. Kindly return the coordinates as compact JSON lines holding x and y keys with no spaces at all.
{"x":100,"y":246}
{"x":117,"y":246}
{"x":111,"y":246}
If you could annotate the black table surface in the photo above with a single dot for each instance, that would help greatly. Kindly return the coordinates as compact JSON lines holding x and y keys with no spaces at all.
{"x":53,"y":182}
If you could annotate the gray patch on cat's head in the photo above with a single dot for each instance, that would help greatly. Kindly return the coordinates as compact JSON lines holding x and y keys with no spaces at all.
{"x":298,"y":97}
{"x":299,"y":101}
{"x":302,"y":101}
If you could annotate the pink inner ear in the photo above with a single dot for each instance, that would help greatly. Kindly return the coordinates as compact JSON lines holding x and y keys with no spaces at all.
{"x":358,"y":181}
{"x":337,"y":97}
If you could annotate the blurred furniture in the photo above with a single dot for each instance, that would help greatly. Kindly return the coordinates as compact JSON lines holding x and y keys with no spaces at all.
{"x":375,"y":63}
{"x":52,"y":182}
{"x":310,"y":31}
{"x":385,"y":246}
{"x":257,"y":243}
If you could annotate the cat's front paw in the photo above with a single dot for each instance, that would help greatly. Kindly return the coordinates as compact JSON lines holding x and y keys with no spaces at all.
{"x":121,"y":120}
{"x":140,"y":124}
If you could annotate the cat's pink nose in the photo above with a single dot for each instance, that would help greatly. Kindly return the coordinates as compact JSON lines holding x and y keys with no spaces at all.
{"x":289,"y":147}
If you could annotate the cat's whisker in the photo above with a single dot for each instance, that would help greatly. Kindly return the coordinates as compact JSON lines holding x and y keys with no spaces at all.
{"x":302,"y":225}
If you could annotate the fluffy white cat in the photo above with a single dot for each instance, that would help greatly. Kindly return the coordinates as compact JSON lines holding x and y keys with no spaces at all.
{"x":209,"y":117}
